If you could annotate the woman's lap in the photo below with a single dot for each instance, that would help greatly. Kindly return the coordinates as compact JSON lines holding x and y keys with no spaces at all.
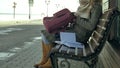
{"x":47,"y":37}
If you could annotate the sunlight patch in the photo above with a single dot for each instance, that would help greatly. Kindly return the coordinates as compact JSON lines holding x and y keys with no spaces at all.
{"x":37,"y":38}
{"x":16,"y":49}
{"x":5,"y":55}
{"x":4,"y":32}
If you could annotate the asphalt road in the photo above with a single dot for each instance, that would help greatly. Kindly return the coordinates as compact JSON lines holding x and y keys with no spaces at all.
{"x":16,"y":36}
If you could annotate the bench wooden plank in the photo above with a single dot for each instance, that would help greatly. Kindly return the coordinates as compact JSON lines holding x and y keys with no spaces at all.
{"x":96,"y":43}
{"x":91,"y":48}
{"x":98,"y":34}
{"x":102,"y":27}
{"x":72,"y":51}
{"x":84,"y":51}
{"x":63,"y":49}
{"x":92,"y":45}
{"x":76,"y":50}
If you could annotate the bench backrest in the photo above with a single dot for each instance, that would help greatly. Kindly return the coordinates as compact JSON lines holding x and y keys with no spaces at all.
{"x":100,"y":34}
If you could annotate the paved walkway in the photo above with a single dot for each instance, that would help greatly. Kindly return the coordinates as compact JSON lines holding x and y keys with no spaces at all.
{"x":31,"y":53}
{"x":23,"y":58}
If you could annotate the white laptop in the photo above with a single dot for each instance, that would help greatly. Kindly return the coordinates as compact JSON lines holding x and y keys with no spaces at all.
{"x":69,"y":39}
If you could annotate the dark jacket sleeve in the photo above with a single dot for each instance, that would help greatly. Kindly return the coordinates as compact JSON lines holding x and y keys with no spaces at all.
{"x":95,"y":14}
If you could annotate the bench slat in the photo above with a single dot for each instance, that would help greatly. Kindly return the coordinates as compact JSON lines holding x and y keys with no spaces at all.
{"x":63,"y":49}
{"x":80,"y":52}
{"x":102,"y":27}
{"x":98,"y":34}
{"x":92,"y":45}
{"x":105,"y":20}
{"x":76,"y":51}
{"x":87,"y":50}
{"x":95,"y":41}
{"x":72,"y":51}
{"x":92,"y":50}
{"x":68,"y":51}
{"x":84,"y":52}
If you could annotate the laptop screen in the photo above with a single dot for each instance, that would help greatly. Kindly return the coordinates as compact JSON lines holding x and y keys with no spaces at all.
{"x":67,"y":37}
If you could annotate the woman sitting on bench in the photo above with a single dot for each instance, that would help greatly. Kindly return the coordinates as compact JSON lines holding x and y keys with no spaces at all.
{"x":87,"y":16}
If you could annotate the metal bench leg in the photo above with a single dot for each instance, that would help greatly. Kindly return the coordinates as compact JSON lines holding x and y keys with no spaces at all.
{"x":65,"y":64}
{"x":92,"y":63}
{"x":53,"y":61}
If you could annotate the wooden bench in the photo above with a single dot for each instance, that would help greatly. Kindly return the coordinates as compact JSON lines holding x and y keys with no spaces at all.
{"x":90,"y":51}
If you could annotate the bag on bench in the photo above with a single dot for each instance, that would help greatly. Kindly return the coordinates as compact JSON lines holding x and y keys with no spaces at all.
{"x":59,"y":21}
